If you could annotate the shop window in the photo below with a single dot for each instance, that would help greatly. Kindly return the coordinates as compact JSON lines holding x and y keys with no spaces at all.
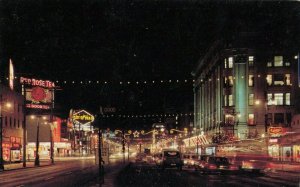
{"x":278,"y":97}
{"x":251,"y":61}
{"x":279,"y":118}
{"x":287,"y":98}
{"x":250,"y":119}
{"x":278,"y":61}
{"x":279,"y":79}
{"x":251,"y":99}
{"x":251,"y":80}
{"x":230,"y":62}
{"x":269,"y":80}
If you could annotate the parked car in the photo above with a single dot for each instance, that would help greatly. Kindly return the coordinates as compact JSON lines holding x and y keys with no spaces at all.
{"x":213,"y":164}
{"x":171,"y":158}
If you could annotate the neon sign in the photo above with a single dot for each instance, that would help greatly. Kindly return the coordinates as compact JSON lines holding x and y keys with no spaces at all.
{"x":83,"y":117}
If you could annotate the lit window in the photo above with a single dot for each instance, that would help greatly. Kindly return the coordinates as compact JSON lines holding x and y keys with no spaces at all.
{"x":225,"y":63}
{"x":287,"y":63}
{"x":279,"y":79}
{"x":251,"y":80}
{"x":288,"y":98}
{"x":269,"y":64}
{"x":269,"y":80}
{"x":225,"y":100}
{"x":230,"y":62}
{"x":250,"y":60}
{"x":278,"y":61}
{"x":250,"y":119}
{"x":278,"y":97}
{"x":288,"y":79}
{"x":228,"y":81}
{"x":270,"y":99}
{"x":230,"y":100}
{"x":251,"y":99}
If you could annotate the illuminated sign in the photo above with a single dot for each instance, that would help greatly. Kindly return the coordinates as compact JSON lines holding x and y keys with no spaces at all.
{"x":11,"y":75}
{"x":276,"y":131}
{"x":39,"y":93}
{"x":36,"y":82}
{"x":83,"y":117}
{"x":273,"y":140}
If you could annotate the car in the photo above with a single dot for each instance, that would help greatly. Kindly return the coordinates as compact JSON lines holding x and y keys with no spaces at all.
{"x":189,"y":159}
{"x":215,"y":164}
{"x":171,"y":158}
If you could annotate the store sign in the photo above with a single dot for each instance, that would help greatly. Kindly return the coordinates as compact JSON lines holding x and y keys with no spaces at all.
{"x":83,"y":117}
{"x":276,"y":131}
{"x":39,"y":93}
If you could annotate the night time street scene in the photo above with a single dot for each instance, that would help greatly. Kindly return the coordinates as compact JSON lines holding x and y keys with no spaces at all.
{"x":149,"y":93}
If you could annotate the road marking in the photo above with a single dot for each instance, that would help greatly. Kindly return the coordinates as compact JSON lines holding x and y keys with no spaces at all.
{"x":48,"y":178}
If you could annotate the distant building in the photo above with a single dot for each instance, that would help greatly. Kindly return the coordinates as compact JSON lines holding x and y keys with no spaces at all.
{"x":12,"y":123}
{"x":244,"y":86}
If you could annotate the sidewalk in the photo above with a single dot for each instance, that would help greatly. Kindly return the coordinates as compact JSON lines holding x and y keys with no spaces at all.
{"x":29,"y":164}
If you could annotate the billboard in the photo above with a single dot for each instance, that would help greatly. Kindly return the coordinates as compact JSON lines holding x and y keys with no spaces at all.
{"x":39,"y":93}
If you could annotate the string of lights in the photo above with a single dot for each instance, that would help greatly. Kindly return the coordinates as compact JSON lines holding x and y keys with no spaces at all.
{"x":144,"y":116}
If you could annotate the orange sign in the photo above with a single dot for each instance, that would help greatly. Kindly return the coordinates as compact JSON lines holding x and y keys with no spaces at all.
{"x":276,"y":131}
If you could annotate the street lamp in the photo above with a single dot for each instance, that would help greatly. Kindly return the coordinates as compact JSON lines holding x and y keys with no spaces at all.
{"x":37,"y":156}
{"x":8,"y":105}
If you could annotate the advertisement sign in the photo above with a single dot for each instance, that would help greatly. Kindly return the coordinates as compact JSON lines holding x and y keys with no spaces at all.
{"x":83,"y":117}
{"x":39,"y":93}
{"x":276,"y":131}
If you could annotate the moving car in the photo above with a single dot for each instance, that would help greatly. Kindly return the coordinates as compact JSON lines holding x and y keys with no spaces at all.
{"x":189,"y":159}
{"x":171,"y":158}
{"x":213,"y":164}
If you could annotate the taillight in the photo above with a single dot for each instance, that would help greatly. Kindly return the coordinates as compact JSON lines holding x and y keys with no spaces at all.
{"x":233,"y":168}
{"x":212,"y":166}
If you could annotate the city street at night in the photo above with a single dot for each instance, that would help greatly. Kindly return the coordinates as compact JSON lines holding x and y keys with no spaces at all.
{"x":149,"y":93}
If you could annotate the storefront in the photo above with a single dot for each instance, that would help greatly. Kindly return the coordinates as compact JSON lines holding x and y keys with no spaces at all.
{"x":273,"y":149}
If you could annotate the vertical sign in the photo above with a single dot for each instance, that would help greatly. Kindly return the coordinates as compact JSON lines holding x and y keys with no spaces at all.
{"x":11,"y":75}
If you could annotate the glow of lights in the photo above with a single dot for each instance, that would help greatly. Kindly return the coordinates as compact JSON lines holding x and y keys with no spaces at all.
{"x":257,"y":102}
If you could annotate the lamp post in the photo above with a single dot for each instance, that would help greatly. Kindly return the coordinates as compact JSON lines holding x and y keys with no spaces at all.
{"x":8,"y":105}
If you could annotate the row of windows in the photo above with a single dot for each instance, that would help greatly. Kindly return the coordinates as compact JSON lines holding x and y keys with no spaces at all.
{"x":277,"y":62}
{"x":275,"y":80}
{"x":12,"y":122}
{"x":278,"y":118}
{"x":272,"y":99}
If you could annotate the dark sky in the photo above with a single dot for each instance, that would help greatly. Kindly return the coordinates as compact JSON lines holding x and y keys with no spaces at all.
{"x":127,"y":41}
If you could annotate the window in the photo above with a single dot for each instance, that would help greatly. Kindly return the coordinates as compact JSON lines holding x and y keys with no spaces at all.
{"x":6,"y":121}
{"x":225,"y":63}
{"x":270,"y":98}
{"x":228,"y":81}
{"x":279,"y":79}
{"x":250,"y":119}
{"x":279,"y":118}
{"x":278,"y":97}
{"x":288,"y":79}
{"x":250,"y":61}
{"x":230,"y":100}
{"x":288,"y":99}
{"x":288,"y":119}
{"x":278,"y":61}
{"x":287,"y":63}
{"x":230,"y":62}
{"x":251,"y":80}
{"x":225,"y":100}
{"x":10,"y":122}
{"x":269,"y":64}
{"x":269,"y":80}
{"x":251,"y":99}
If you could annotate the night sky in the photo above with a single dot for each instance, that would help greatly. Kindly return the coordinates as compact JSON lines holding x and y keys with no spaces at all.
{"x":90,"y":40}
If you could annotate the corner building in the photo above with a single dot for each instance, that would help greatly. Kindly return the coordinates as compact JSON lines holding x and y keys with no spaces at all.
{"x":243,"y":87}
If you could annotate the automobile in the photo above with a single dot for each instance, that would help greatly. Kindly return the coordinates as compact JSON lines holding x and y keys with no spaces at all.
{"x":171,"y":158}
{"x":215,"y":164}
{"x":189,"y":159}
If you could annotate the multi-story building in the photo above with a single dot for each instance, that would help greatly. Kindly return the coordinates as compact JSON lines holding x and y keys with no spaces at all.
{"x":244,"y":87}
{"x":12,"y":124}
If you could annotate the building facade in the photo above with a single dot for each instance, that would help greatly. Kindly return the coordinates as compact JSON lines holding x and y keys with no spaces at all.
{"x":12,"y":117}
{"x":241,"y":89}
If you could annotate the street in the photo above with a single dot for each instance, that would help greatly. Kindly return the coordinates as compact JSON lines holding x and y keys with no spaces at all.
{"x":150,"y":175}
